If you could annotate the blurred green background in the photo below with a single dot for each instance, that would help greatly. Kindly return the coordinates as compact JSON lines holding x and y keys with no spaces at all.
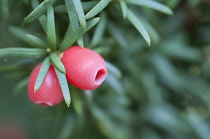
{"x":156,"y":92}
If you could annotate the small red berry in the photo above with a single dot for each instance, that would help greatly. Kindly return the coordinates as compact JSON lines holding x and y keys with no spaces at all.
{"x":49,"y":93}
{"x":85,"y":69}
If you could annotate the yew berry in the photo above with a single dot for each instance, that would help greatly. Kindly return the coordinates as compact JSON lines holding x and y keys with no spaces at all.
{"x":85,"y":69}
{"x":49,"y":93}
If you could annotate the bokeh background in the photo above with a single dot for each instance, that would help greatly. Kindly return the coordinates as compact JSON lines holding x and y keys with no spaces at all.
{"x":156,"y":92}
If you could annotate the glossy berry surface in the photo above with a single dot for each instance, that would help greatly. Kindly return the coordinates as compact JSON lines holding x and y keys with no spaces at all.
{"x":85,"y":69}
{"x":49,"y":93}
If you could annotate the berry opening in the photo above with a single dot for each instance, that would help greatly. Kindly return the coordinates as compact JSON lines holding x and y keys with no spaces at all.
{"x":44,"y":104}
{"x":100,"y":76}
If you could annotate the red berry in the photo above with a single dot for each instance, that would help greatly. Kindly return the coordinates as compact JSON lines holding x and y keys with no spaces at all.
{"x":85,"y":69}
{"x":49,"y":93}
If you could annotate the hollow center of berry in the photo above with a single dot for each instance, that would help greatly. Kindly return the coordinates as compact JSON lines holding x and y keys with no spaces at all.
{"x":44,"y":104}
{"x":100,"y":76}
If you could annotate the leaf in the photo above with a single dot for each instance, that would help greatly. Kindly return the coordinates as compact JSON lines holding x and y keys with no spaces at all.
{"x":113,"y":69}
{"x":42,"y":18}
{"x":77,"y":102}
{"x":72,"y":14}
{"x":7,"y":68}
{"x":199,"y":126}
{"x":167,"y":72}
{"x":151,"y":86}
{"x":22,"y":52}
{"x":86,"y":6}
{"x":177,"y":50}
{"x":102,"y":50}
{"x":138,"y":25}
{"x":27,"y":38}
{"x":73,"y":19}
{"x":174,"y":3}
{"x":74,"y":36}
{"x":114,"y":83}
{"x":36,"y":13}
{"x":20,"y":86}
{"x":117,"y":34}
{"x":99,"y":31}
{"x":20,"y":34}
{"x":124,"y":8}
{"x":108,"y":125}
{"x":80,"y":12}
{"x":61,"y":9}
{"x":37,"y":42}
{"x":68,"y":127}
{"x":26,"y":61}
{"x":64,"y":86}
{"x":151,"y":30}
{"x":69,"y":31}
{"x":57,"y":62}
{"x":152,"y":4}
{"x":42,"y":73}
{"x":51,"y":35}
{"x":97,"y":9}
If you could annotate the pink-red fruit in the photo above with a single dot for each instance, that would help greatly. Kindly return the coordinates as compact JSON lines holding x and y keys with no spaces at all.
{"x":85,"y":69}
{"x":49,"y":93}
